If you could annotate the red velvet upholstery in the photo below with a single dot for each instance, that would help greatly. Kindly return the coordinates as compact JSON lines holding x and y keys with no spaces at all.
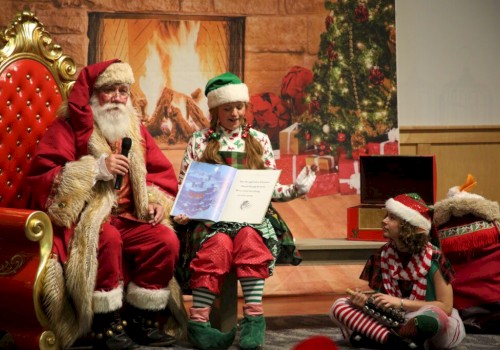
{"x":35,"y":77}
{"x":30,"y":98}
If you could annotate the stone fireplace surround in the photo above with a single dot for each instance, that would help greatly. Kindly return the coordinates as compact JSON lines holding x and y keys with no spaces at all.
{"x":279,"y":34}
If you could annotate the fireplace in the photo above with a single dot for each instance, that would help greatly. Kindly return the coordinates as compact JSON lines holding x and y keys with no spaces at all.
{"x":172,"y":58}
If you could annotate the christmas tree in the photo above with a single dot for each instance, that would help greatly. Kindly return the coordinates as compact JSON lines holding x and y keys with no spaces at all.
{"x":352,"y":99}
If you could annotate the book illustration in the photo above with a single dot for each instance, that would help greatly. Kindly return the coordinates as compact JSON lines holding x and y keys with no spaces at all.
{"x":202,"y":189}
{"x":218,"y":192}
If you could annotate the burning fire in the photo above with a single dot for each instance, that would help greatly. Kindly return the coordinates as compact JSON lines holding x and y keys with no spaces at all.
{"x":174,"y":61}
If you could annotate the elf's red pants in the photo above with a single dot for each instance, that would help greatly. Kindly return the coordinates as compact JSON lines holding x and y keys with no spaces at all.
{"x":247,"y":253}
{"x":148,"y":252}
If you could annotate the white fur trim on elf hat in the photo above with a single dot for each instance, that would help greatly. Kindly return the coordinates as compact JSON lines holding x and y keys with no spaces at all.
{"x":116,"y":73}
{"x":408,"y":214}
{"x":228,"y":93}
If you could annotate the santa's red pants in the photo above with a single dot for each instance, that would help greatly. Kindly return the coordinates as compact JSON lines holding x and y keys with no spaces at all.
{"x":247,"y":253}
{"x":137,"y":252}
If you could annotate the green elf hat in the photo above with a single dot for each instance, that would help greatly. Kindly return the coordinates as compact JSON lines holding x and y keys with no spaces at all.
{"x":225,"y":88}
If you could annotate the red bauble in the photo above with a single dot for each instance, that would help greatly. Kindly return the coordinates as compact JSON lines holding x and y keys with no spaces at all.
{"x":341,"y":137}
{"x":328,"y":22}
{"x":332,"y":55}
{"x":361,"y":13}
{"x":308,"y":135}
{"x":376,"y":76}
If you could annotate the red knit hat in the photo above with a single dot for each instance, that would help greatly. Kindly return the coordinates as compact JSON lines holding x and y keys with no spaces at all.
{"x":411,"y":208}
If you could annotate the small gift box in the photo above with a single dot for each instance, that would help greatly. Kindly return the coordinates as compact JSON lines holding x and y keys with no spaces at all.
{"x":289,"y":143}
{"x":383,"y":148}
{"x":349,"y":179}
{"x":389,"y":147}
{"x":324,"y":163}
{"x":324,"y":184}
{"x":290,"y":166}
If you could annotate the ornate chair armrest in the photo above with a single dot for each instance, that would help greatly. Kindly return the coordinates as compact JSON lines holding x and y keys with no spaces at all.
{"x":15,"y":226}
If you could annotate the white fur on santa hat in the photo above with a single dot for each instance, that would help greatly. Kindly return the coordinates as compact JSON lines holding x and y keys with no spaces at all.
{"x":410,"y":215}
{"x":228,"y":93}
{"x":116,"y":73}
{"x":456,"y":193}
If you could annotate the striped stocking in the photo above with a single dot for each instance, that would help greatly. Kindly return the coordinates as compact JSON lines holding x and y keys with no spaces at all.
{"x":253,"y":288}
{"x":354,"y":319}
{"x":203,"y":298}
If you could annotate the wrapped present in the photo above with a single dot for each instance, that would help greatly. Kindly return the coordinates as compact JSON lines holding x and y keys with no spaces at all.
{"x":383,"y":148}
{"x":289,"y":143}
{"x":324,"y":184}
{"x":389,"y":147}
{"x":324,"y":163}
{"x":290,"y":166}
{"x":349,"y":178}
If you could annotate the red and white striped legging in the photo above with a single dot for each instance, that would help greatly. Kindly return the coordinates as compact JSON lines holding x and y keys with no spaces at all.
{"x":349,"y":318}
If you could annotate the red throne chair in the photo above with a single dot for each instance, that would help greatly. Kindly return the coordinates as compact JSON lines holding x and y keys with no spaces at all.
{"x":35,"y":77}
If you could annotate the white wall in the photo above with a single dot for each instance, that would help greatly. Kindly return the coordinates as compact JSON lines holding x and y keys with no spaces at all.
{"x":448,"y":62}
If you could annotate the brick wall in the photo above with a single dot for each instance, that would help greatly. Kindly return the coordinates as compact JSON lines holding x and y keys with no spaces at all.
{"x":279,"y":33}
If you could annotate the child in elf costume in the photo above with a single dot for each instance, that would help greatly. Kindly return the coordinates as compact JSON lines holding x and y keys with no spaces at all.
{"x":251,"y":250}
{"x":408,"y":274}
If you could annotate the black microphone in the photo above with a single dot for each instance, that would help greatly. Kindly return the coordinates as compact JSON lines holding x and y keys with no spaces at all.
{"x":126,"y":144}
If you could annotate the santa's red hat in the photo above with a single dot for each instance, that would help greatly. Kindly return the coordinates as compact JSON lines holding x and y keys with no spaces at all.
{"x":411,"y":208}
{"x":90,"y":78}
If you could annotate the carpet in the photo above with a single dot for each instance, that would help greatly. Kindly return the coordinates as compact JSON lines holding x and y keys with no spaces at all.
{"x":285,"y":332}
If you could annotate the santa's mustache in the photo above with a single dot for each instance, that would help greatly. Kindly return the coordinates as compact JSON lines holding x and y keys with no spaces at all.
{"x":113,"y":105}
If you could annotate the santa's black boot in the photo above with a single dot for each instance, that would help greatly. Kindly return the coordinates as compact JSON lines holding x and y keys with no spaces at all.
{"x":108,"y":333}
{"x":143,"y":328}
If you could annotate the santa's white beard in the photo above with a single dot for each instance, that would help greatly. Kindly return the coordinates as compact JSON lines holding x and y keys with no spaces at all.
{"x":113,"y":119}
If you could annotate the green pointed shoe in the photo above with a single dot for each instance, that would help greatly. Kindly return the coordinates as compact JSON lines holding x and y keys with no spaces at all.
{"x":253,"y":332}
{"x":204,"y":337}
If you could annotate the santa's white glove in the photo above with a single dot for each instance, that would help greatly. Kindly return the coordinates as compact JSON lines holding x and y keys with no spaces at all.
{"x":305,"y":180}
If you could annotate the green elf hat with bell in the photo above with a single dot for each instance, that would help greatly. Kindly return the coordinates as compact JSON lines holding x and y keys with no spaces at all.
{"x":225,"y":88}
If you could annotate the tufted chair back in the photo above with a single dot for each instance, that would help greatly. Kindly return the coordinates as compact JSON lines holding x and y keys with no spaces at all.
{"x":35,"y":77}
{"x":33,"y":83}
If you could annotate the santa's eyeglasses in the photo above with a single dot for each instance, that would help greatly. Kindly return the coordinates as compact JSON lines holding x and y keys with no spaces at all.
{"x":120,"y":90}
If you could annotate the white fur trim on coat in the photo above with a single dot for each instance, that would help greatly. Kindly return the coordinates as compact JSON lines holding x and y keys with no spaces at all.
{"x":408,"y":214}
{"x":108,"y":301}
{"x":228,"y":93}
{"x":147,"y":299}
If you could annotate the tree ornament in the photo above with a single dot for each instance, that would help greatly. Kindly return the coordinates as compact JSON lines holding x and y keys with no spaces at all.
{"x":376,"y":76}
{"x":331,"y":53}
{"x":361,"y":13}
{"x":308,"y":135}
{"x":326,"y":129}
{"x":329,"y":21}
{"x":341,"y":137}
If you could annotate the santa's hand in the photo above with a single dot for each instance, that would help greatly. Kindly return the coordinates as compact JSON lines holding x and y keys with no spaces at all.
{"x":305,"y":180}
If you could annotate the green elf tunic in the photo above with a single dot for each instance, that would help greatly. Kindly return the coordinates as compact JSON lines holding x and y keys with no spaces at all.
{"x":273,"y":229}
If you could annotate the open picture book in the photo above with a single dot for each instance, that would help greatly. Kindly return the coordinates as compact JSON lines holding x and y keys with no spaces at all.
{"x":218,"y":192}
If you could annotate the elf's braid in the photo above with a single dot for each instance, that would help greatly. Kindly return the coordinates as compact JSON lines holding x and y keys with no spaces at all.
{"x":254,"y":152}
{"x":211,"y":153}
